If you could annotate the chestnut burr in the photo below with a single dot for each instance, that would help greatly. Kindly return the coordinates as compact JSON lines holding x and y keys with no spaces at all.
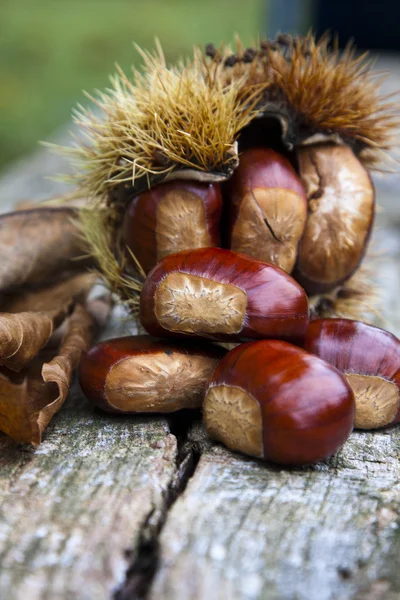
{"x":141,"y":374}
{"x":275,"y":401}
{"x":369,"y":357}
{"x":222,"y":295}
{"x":341,"y":205}
{"x":267,"y":208}
{"x":172,"y":217}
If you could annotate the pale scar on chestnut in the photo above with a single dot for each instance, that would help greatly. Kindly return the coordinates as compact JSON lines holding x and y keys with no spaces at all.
{"x":269,"y":225}
{"x":181,"y":223}
{"x":148,"y":383}
{"x":193,"y":304}
{"x":377,"y":400}
{"x":341,"y":205}
{"x":233,"y":417}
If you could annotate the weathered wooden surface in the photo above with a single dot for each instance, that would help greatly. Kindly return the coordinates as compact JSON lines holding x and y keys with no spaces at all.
{"x":72,"y":511}
{"x":243,"y":529}
{"x":90,"y":513}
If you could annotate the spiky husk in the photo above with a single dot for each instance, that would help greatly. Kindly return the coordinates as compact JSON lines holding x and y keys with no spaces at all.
{"x":318,"y":90}
{"x":161,"y":120}
{"x":99,"y":231}
{"x":168,"y":118}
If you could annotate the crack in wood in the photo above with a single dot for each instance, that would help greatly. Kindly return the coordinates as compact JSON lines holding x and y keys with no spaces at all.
{"x":144,"y":564}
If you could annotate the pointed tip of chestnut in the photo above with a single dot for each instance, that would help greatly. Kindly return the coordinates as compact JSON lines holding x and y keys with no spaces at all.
{"x":369,"y":357}
{"x":275,"y":401}
{"x":222,"y":295}
{"x":267,"y":208}
{"x":141,"y":374}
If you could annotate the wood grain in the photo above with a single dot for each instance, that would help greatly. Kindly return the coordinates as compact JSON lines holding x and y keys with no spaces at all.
{"x":248,"y":530}
{"x":73,"y":510}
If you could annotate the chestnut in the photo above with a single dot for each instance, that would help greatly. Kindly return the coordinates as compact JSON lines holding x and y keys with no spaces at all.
{"x":369,"y":357}
{"x":267,"y":208}
{"x":139,"y":374}
{"x":341,"y":204}
{"x":275,"y":401}
{"x":222,"y":295}
{"x":172,"y":217}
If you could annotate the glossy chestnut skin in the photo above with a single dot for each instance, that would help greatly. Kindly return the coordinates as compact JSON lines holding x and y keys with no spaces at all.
{"x":141,"y":374}
{"x":341,"y":210}
{"x":171,"y":217}
{"x":275,"y":401}
{"x":267,"y":208}
{"x":222,"y":295}
{"x":356,"y":348}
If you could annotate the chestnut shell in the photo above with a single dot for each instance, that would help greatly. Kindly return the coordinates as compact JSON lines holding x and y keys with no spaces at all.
{"x":275,"y":305}
{"x":307,"y":407}
{"x":355,"y":347}
{"x":170,"y":217}
{"x":105,"y":358}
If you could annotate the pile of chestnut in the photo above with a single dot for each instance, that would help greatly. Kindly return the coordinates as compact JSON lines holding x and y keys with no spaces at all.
{"x":291,"y":390}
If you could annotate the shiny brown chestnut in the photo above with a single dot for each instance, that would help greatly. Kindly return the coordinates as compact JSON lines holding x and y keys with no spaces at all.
{"x":341,"y":204}
{"x":222,"y":295}
{"x":171,"y":217}
{"x":275,"y":401}
{"x":141,"y":374}
{"x":267,"y":207}
{"x":369,"y":358}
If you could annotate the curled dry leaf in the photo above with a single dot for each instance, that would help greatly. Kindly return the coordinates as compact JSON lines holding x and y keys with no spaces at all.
{"x":22,"y":335}
{"x":30,"y":398}
{"x":31,"y":319}
{"x":39,"y":244}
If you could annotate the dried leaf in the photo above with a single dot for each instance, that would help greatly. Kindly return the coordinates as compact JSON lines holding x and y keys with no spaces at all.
{"x":23,"y":335}
{"x":39,"y":244}
{"x":22,"y":396}
{"x":29,"y":399}
{"x":60,"y":369}
{"x":31,"y":320}
{"x":51,"y":296}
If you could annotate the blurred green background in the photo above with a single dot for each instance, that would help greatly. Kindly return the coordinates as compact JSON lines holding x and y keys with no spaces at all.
{"x":50,"y":51}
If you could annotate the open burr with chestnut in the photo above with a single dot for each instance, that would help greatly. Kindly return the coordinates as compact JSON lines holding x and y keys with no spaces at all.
{"x":323,"y":113}
{"x":274,"y":127}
